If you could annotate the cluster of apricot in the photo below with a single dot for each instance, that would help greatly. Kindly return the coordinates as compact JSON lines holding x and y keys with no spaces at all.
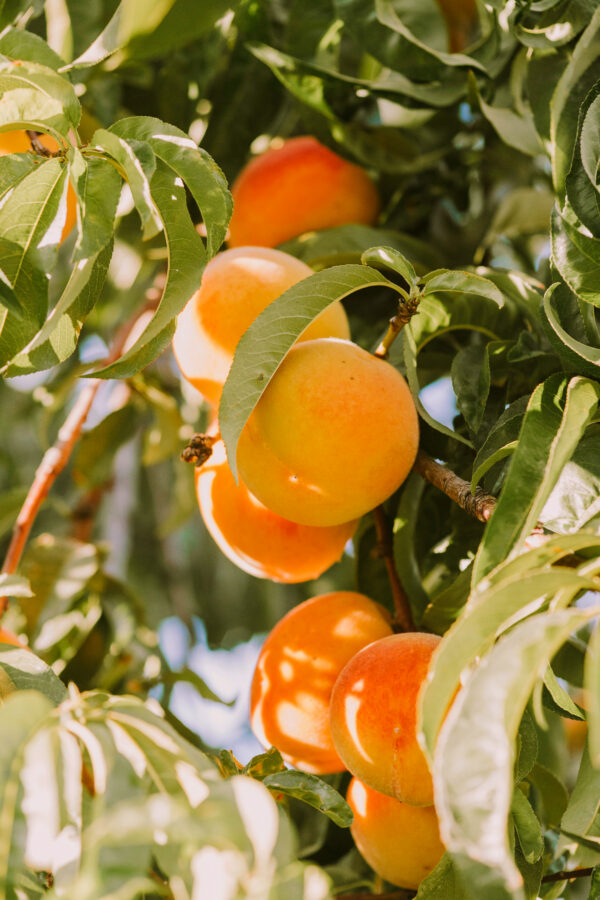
{"x":332,"y":436}
{"x":335,"y":689}
{"x":335,"y":432}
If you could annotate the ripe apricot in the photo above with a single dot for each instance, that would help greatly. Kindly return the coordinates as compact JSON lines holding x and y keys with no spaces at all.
{"x":296,"y":670}
{"x":333,"y":435}
{"x":374,"y":716}
{"x":298,"y":187}
{"x":257,"y":540}
{"x":236,"y":286}
{"x":400,"y":842}
{"x":18,"y":142}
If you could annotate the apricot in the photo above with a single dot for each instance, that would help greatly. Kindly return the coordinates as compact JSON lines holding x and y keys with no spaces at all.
{"x":373,"y":716}
{"x":18,"y":142}
{"x":298,"y":187}
{"x":236,"y":286}
{"x":296,"y":670}
{"x":400,"y":842}
{"x":333,"y":435}
{"x":257,"y":540}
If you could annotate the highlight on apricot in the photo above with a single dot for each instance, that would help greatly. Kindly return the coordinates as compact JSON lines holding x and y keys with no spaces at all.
{"x":236,"y":286}
{"x":297,"y":187}
{"x":258,"y":540}
{"x":297,"y":668}
{"x":373,"y":718}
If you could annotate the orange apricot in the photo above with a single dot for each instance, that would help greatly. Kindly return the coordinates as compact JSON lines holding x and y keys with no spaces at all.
{"x":236,"y":286}
{"x":257,"y":540}
{"x":18,"y":142}
{"x":373,"y":716}
{"x":333,"y":435}
{"x":400,"y":842}
{"x":296,"y":670}
{"x":298,"y":187}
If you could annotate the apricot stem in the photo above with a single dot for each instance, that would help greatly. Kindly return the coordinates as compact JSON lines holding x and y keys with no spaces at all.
{"x":567,"y":876}
{"x":478,"y":503}
{"x":408,"y":306}
{"x":402,"y":611}
{"x":57,"y":456}
{"x":199,"y":448}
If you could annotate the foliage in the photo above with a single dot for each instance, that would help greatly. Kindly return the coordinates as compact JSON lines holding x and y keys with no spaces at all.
{"x":487,"y":157}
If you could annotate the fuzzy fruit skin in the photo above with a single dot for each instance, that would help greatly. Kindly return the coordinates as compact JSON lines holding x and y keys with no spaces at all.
{"x":18,"y":142}
{"x":296,"y":670}
{"x":236,"y":286}
{"x":400,"y":842}
{"x":333,"y":435}
{"x":257,"y":540}
{"x":299,"y":187}
{"x":373,"y":716}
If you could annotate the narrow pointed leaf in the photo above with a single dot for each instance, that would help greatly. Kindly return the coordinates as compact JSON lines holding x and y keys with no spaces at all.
{"x":577,"y":257}
{"x":201,"y":175}
{"x":314,"y":791}
{"x":389,"y":258}
{"x":98,"y":189}
{"x":34,"y":96}
{"x":187,"y":258}
{"x":592,"y":680}
{"x":556,"y":418}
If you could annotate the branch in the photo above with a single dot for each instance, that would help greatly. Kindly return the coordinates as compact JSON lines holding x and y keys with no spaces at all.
{"x":57,"y":456}
{"x":403,"y":612}
{"x":567,"y":876}
{"x":479,"y":504}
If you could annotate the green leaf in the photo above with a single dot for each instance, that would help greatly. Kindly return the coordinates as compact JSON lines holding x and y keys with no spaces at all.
{"x":131,"y":19}
{"x":582,"y":815}
{"x":22,"y":670}
{"x":582,"y":70}
{"x":387,"y":258}
{"x":24,"y":45}
{"x":473,"y":766}
{"x":527,"y":826}
{"x":58,"y":338}
{"x":13,"y":168}
{"x":202,"y":176}
{"x":35,"y":96}
{"x":552,"y":793}
{"x":186,"y":264}
{"x":264,"y":345}
{"x":560,"y":701}
{"x":138,"y":163}
{"x":515,"y":130}
{"x":264,"y":764}
{"x":524,"y":210}
{"x":186,"y":21}
{"x":404,"y":531}
{"x":557,"y":416}
{"x":471,"y":383}
{"x":527,"y":747}
{"x":577,"y":257}
{"x":98,"y":188}
{"x":15,"y":11}
{"x":443,"y":883}
{"x":14,"y":586}
{"x":314,"y":791}
{"x":445,"y":607}
{"x":574,"y":504}
{"x":488,"y":609}
{"x":463,"y":283}
{"x":579,"y":356}
{"x":592,"y":679}
{"x":94,"y":458}
{"x":595,"y":885}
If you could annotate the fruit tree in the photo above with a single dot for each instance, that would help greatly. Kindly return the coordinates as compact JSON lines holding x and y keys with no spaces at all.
{"x":300,"y":462}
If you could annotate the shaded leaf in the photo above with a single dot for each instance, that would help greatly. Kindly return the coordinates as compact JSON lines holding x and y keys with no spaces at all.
{"x":314,"y":791}
{"x":22,"y":670}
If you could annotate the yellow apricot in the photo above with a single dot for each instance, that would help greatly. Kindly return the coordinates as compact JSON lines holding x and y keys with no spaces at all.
{"x":18,"y":142}
{"x":298,"y":187}
{"x":257,"y":540}
{"x":373,"y":716}
{"x":296,"y":670}
{"x":333,"y":435}
{"x":400,"y":842}
{"x":236,"y":286}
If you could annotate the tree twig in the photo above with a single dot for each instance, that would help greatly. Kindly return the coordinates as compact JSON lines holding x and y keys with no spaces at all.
{"x":57,"y":456}
{"x":479,"y":504}
{"x":567,"y":876}
{"x":408,"y":306}
{"x":403,"y":613}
